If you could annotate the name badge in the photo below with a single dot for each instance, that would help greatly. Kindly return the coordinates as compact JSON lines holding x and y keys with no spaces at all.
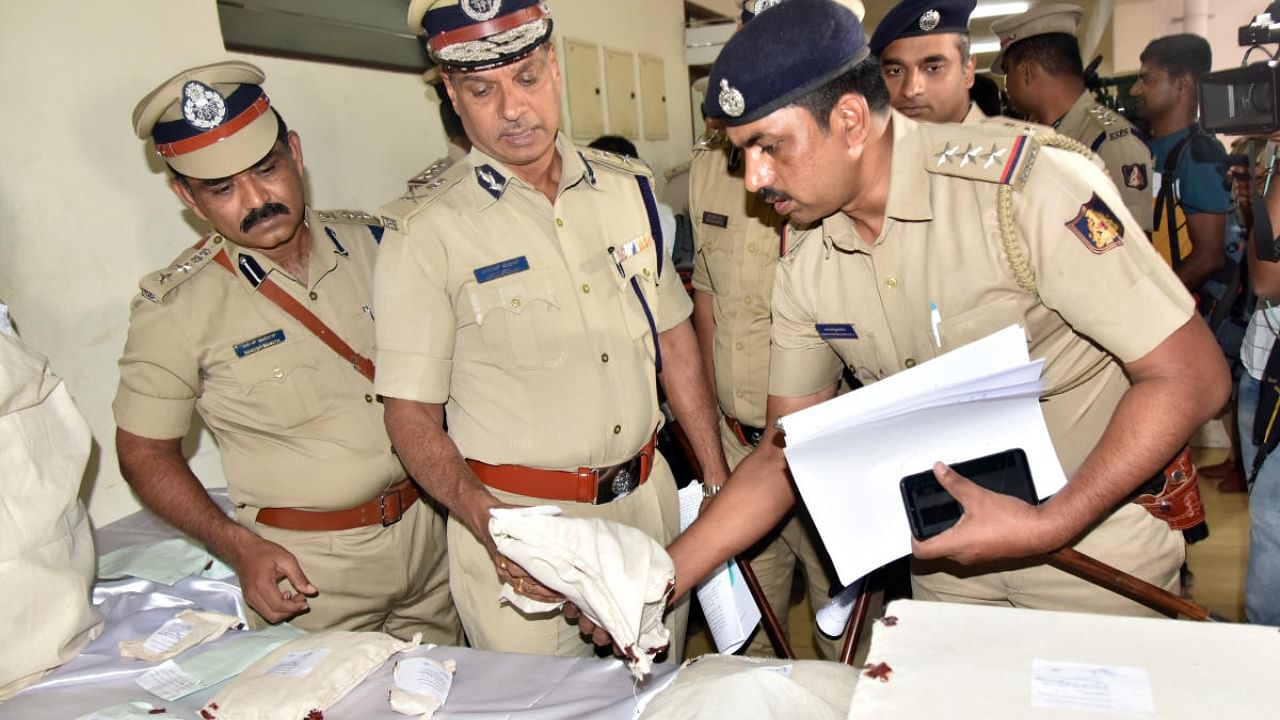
{"x":262,"y":342}
{"x":502,"y":269}
{"x":710,"y":218}
{"x":836,"y":331}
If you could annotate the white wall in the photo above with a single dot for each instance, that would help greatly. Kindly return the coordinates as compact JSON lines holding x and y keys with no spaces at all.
{"x":84,"y":206}
{"x":1138,"y":22}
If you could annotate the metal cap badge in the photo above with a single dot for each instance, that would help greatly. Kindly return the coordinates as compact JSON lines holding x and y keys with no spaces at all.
{"x":731,"y":100}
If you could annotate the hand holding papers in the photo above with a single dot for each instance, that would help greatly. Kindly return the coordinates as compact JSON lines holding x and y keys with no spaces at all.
{"x":848,"y":454}
{"x":726,"y":600}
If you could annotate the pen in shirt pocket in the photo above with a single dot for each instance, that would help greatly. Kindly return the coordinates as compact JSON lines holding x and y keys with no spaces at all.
{"x":935,"y":319}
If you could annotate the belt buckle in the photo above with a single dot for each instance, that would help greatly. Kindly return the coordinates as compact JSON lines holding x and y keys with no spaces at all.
{"x":617,"y":481}
{"x":382,"y":508}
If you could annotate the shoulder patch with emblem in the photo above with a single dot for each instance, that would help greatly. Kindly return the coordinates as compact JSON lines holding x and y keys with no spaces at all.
{"x":156,"y":285}
{"x":396,"y":214}
{"x":616,"y":162}
{"x":1135,"y":176}
{"x":1097,"y":226}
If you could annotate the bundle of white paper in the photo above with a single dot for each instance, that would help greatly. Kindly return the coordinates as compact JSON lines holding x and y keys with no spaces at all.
{"x":726,"y":601}
{"x":848,"y":454}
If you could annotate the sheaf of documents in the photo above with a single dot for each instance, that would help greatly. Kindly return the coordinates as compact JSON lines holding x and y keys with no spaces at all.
{"x":848,"y":454}
{"x":726,"y":600}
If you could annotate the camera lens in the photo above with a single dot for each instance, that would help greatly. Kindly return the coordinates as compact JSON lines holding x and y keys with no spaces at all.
{"x":1258,"y":98}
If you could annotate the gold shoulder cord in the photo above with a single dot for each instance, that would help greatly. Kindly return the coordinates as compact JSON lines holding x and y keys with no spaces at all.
{"x":1021,"y":265}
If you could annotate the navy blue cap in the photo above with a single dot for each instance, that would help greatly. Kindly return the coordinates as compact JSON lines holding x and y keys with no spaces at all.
{"x":912,"y":18}
{"x":479,"y":34}
{"x":780,"y":56}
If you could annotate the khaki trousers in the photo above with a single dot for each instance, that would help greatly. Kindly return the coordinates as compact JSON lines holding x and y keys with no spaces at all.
{"x":392,"y":579}
{"x":794,"y":542}
{"x":1129,"y":539}
{"x":653,"y":508}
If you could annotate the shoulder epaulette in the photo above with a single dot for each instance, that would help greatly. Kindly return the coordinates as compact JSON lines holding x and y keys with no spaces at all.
{"x":712,"y":140}
{"x":989,"y":153}
{"x":676,"y":171}
{"x":350,"y":217}
{"x":613,"y":161}
{"x":396,"y":214}
{"x":435,"y":170}
{"x":156,"y":285}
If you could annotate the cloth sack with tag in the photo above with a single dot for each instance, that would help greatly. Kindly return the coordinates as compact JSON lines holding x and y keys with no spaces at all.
{"x":304,"y":676}
{"x":618,"y":576}
{"x":711,"y":687}
{"x":46,"y":551}
{"x":186,"y":630}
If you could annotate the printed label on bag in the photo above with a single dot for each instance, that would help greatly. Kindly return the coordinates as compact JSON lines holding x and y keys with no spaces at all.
{"x":299,"y":664}
{"x":167,"y":637}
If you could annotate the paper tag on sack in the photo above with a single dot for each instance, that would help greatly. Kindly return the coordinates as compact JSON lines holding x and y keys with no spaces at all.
{"x":299,"y":664}
{"x":168,"y":636}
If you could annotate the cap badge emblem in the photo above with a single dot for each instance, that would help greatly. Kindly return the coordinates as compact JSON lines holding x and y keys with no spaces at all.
{"x":762,"y":5}
{"x":481,"y":10}
{"x":929,"y":20}
{"x":731,"y":100}
{"x":202,"y":106}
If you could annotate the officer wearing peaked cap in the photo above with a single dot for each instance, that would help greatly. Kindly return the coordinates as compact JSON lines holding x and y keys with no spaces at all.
{"x":1044,"y":76}
{"x":527,"y":295}
{"x":263,"y":328}
{"x":738,"y":238}
{"x":923,"y":47}
{"x":889,"y":202}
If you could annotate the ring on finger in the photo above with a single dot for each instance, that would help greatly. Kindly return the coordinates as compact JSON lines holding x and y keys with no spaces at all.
{"x":502,"y":564}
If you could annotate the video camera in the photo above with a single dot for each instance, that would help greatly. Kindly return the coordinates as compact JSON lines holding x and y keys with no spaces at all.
{"x":1245,"y":100}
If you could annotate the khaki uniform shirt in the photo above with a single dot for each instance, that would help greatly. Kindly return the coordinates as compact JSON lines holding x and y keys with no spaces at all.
{"x":974,"y":116}
{"x":866,"y":304}
{"x":737,"y":236}
{"x":1115,"y":140}
{"x":296,"y":424}
{"x":524,"y":316}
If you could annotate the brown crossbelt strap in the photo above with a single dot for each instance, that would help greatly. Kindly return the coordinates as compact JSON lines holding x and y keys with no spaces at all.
{"x":279,"y":296}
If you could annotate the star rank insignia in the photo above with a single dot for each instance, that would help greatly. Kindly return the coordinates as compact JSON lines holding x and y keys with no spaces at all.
{"x":1097,"y":227}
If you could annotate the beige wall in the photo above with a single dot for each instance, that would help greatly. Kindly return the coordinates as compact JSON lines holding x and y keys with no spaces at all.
{"x":84,"y":208}
{"x":1138,"y":22}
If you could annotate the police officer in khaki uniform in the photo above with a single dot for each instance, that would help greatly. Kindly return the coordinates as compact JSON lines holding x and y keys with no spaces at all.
{"x":1044,"y":76}
{"x":527,"y":294}
{"x":900,"y":207}
{"x":234,"y":330}
{"x":738,"y":241}
{"x":923,"y":47}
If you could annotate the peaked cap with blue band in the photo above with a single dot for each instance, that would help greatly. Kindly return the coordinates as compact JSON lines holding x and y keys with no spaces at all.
{"x":780,"y":56}
{"x":751,"y":8}
{"x":211,"y":121}
{"x":479,"y":34}
{"x":913,"y":18}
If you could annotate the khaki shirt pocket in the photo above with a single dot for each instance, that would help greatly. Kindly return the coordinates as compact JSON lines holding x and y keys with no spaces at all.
{"x":641,"y":271}
{"x":980,"y":322}
{"x":283,"y":386}
{"x":519,"y":319}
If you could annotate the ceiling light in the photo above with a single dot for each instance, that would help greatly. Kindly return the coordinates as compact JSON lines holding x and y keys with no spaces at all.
{"x":998,"y":9}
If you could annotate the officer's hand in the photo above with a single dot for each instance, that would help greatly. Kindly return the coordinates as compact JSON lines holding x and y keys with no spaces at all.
{"x":522,"y":581}
{"x":993,"y":526}
{"x":261,"y":566}
{"x":590,"y":630}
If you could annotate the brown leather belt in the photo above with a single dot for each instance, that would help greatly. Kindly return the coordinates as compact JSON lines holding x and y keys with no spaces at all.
{"x":747,"y":435}
{"x":588,"y":485}
{"x":385,"y":509}
{"x":1176,"y":496}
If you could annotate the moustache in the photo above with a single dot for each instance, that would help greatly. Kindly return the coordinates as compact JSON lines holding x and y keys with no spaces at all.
{"x":772,"y":196}
{"x":257,"y":215}
{"x":517,"y":128}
